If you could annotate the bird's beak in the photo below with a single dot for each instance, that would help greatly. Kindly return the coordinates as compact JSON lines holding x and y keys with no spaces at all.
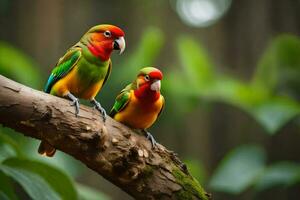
{"x":155,"y":86}
{"x":119,"y":44}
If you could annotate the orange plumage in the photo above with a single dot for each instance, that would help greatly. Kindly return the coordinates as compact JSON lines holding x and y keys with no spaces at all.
{"x":139,"y":114}
{"x":140,"y":103}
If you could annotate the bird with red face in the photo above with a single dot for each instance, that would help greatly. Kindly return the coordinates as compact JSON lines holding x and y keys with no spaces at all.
{"x":84,"y":69}
{"x":140,"y":103}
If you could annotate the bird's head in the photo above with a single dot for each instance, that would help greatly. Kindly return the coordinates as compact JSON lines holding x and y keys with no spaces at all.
{"x":149,"y":82}
{"x":101,"y":40}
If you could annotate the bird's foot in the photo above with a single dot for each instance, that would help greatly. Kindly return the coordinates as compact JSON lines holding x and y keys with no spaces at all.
{"x":150,"y":138}
{"x":98,"y":106}
{"x":75,"y":102}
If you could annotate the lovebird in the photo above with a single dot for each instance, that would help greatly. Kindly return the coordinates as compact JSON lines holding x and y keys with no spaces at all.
{"x":84,"y":69}
{"x":140,"y":103}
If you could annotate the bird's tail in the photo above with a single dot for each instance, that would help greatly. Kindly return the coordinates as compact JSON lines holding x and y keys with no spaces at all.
{"x":46,"y":149}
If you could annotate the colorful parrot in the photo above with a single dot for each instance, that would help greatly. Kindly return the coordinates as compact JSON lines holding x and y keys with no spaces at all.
{"x":84,"y":69}
{"x":140,"y":103}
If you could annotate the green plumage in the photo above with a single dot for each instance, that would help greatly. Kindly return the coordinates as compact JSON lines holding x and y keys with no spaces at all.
{"x":64,"y":65}
{"x":90,"y":69}
{"x":121,"y":100}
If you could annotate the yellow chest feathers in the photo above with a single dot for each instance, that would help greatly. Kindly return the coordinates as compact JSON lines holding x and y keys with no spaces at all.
{"x":138,"y":114}
{"x":71,"y":83}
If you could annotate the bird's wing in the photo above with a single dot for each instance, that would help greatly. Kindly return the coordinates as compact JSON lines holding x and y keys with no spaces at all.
{"x":121,"y":101}
{"x":63,"y":67}
{"x":108,"y":72}
{"x":163,"y":105}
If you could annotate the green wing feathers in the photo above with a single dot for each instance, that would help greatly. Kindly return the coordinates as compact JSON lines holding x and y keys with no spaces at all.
{"x":108,"y":72}
{"x":121,"y":101}
{"x":63,"y":67}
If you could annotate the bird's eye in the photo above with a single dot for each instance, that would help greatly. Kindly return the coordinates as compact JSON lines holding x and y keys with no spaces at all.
{"x":147,"y":78}
{"x":107,"y":34}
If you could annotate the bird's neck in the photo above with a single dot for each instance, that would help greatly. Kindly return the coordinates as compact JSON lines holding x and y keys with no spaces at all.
{"x":99,"y":51}
{"x":144,"y":93}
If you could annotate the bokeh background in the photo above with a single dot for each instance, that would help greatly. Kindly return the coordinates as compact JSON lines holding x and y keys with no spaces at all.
{"x":231,"y":84}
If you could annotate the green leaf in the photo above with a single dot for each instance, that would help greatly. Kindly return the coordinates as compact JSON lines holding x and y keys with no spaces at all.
{"x":3,"y":196}
{"x":8,"y":147}
{"x":18,"y":66}
{"x":196,"y":78}
{"x":6,"y":151}
{"x":180,"y":95}
{"x":33,"y":184}
{"x":62,"y":161}
{"x":279,"y":174}
{"x":197,"y":65}
{"x":279,"y":67}
{"x":6,"y":187}
{"x":57,"y":179}
{"x":273,"y":113}
{"x":239,"y":169}
{"x":87,"y":193}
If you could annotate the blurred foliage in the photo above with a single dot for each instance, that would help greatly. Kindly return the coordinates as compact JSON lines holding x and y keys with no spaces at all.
{"x":245,"y":166}
{"x":144,"y":55}
{"x":6,"y":188}
{"x":16,"y":65}
{"x":199,"y":79}
{"x":87,"y":193}
{"x":60,"y":160}
{"x":283,"y":173}
{"x":238,"y":169}
{"x":34,"y":185}
{"x":57,"y":180}
{"x":39,"y":180}
{"x":278,"y":69}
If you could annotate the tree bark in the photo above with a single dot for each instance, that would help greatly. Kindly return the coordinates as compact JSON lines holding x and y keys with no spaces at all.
{"x":113,"y":150}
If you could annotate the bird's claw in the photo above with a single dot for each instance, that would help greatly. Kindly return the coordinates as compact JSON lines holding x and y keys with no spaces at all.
{"x":75,"y":103}
{"x":151,"y":138}
{"x":103,"y":113}
{"x":98,"y":106}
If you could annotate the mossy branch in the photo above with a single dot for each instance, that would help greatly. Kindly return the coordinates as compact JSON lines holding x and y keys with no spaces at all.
{"x":112,"y":150}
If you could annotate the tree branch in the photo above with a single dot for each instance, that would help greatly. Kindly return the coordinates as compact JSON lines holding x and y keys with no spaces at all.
{"x":112,"y":150}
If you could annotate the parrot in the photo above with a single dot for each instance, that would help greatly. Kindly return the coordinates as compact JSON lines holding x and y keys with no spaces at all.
{"x":140,"y":103}
{"x":84,"y":69}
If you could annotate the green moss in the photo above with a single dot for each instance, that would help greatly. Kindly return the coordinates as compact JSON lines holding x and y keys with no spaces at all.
{"x":182,"y":194}
{"x":147,"y":171}
{"x":191,"y":187}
